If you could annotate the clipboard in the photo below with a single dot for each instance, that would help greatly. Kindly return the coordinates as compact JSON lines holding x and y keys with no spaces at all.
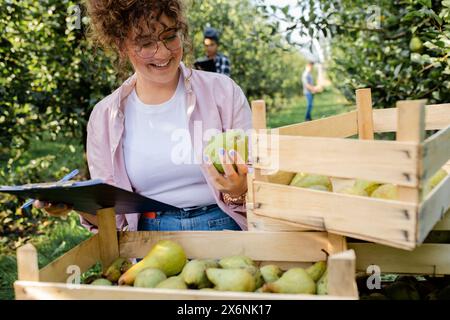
{"x":205,"y":65}
{"x":89,"y":196}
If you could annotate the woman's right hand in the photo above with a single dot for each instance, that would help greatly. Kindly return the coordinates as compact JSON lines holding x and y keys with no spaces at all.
{"x":53,"y":209}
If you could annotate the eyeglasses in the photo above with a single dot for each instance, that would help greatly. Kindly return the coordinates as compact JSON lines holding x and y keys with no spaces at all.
{"x":170,"y":38}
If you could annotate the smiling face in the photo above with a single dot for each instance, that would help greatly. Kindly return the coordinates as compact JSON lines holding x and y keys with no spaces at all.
{"x":160,"y":67}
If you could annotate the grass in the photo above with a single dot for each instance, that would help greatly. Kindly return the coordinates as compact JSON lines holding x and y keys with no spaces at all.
{"x":65,"y":235}
{"x":66,"y":153}
{"x":327,"y":103}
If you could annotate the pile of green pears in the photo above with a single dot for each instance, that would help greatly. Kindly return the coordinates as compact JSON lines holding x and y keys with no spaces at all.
{"x":166,"y":266}
{"x":361,"y":187}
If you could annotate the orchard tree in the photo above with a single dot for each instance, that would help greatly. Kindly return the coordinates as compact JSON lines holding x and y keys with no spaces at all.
{"x":399,"y":48}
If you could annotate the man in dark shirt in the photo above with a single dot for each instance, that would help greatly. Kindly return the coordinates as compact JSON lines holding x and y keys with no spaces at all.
{"x":211,"y":42}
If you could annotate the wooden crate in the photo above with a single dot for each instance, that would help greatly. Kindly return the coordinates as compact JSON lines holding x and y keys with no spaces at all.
{"x":287,"y":249}
{"x":325,"y":147}
{"x":427,"y":259}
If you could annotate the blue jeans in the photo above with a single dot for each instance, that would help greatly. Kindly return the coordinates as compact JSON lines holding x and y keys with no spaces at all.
{"x":210,"y":218}
{"x":309,"y":105}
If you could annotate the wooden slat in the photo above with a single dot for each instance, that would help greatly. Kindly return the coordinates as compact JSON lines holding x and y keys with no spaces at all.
{"x":411,"y":128}
{"x":437,"y":117}
{"x":436,"y":152}
{"x":107,"y":240}
{"x":341,"y":273}
{"x":260,"y":246}
{"x":434,"y":208}
{"x":385,"y":120}
{"x":365,"y":115}
{"x":431,"y":259}
{"x":259,"y":125}
{"x":39,"y":291}
{"x":385,"y":161}
{"x":381,"y":221}
{"x":260,"y":223}
{"x":85,"y":255}
{"x":27,"y":263}
{"x":340,"y":126}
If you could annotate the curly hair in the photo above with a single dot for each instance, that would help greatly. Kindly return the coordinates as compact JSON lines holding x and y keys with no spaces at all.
{"x":111,"y":21}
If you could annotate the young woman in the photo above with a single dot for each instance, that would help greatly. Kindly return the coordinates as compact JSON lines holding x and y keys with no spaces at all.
{"x":135,"y":133}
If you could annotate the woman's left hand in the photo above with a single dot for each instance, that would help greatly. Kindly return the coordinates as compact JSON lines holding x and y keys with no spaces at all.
{"x":231,"y":182}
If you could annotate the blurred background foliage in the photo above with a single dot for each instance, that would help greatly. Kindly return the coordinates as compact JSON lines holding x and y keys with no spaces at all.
{"x":399,"y":48}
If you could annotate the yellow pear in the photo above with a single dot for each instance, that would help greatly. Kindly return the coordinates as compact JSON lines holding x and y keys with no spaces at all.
{"x":231,"y":279}
{"x":319,"y":188}
{"x":434,"y":181}
{"x":295,"y":280}
{"x":236,"y":262}
{"x":368,"y":186}
{"x":354,"y":191}
{"x":271,"y":273}
{"x":194,"y":273}
{"x":306,"y":180}
{"x":166,"y":255}
{"x":385,"y":191}
{"x":317,"y":270}
{"x":322,"y":284}
{"x":101,"y":282}
{"x":175,"y":282}
{"x":149,"y":278}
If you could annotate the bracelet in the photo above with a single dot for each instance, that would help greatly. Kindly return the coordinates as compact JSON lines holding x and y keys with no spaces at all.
{"x":237,"y":200}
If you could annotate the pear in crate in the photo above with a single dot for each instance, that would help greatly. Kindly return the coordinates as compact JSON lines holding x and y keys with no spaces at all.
{"x":317,"y":270}
{"x":355,"y":191}
{"x":175,"y":282}
{"x":231,"y":279}
{"x":434,"y":181}
{"x":194,"y":273}
{"x":319,"y":188}
{"x":256,"y":273}
{"x":306,"y":180}
{"x":149,"y":278}
{"x":166,"y":255}
{"x":295,"y":280}
{"x":115,"y":270}
{"x":367,"y":186}
{"x":236,"y":262}
{"x":101,"y":282}
{"x":271,"y":273}
{"x":230,"y":140}
{"x":322,"y":284}
{"x":385,"y":191}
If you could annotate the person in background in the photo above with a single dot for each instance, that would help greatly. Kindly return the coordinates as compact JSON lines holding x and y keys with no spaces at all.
{"x":309,"y":89}
{"x":211,"y":42}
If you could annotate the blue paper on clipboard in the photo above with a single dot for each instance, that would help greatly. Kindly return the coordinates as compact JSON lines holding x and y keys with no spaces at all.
{"x":88,"y":196}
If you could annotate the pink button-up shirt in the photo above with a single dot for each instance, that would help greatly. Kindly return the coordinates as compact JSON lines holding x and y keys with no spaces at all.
{"x":213,"y":101}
